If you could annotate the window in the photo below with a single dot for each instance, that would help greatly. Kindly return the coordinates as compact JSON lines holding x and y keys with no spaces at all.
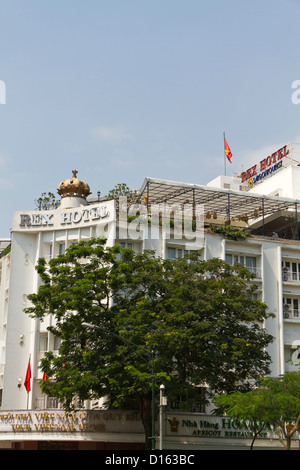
{"x":235,"y":259}
{"x":194,"y":403}
{"x":61,"y":248}
{"x":250,"y":262}
{"x":290,"y":271}
{"x":126,"y":245}
{"x":173,"y":253}
{"x":57,"y":343}
{"x":228,"y":259}
{"x":48,"y":251}
{"x":43,"y":343}
{"x":290,"y":308}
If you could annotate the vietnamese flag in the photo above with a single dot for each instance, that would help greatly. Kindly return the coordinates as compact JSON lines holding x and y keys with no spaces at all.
{"x":28,"y":377}
{"x":227,"y":150}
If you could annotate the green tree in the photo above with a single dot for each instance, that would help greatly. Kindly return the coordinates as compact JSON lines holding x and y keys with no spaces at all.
{"x":198,"y":318}
{"x":46,"y":202}
{"x":276,"y":402}
{"x":122,"y":189}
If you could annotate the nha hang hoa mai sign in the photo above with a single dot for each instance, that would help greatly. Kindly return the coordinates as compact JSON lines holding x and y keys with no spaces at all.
{"x":207,"y":426}
{"x":265,"y":167}
{"x":64,"y":218}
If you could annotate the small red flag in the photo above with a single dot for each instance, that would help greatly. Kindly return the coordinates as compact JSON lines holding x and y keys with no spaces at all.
{"x":28,"y":377}
{"x":45,"y":376}
{"x":227,"y":150}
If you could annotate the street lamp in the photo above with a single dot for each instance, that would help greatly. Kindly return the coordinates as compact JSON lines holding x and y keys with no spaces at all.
{"x":133,"y":345}
{"x":162,"y":403}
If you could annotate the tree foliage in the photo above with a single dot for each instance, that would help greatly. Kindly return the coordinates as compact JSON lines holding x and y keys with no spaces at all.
{"x":122,"y":189}
{"x":199,"y":318}
{"x":46,"y":202}
{"x":276,"y":402}
{"x":230,"y":232}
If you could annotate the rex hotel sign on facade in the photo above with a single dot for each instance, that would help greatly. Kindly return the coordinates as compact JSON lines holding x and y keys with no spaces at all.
{"x":264,"y":168}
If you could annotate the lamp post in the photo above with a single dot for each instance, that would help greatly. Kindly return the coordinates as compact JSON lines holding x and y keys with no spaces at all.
{"x":162,"y":403}
{"x":133,"y":345}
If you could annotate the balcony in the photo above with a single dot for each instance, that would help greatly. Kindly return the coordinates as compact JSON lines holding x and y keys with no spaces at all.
{"x":290,"y":276}
{"x":249,"y":262}
{"x":291,"y":312}
{"x":255,"y":271}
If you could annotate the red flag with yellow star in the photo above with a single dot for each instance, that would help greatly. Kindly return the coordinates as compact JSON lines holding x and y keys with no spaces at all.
{"x":227,"y":150}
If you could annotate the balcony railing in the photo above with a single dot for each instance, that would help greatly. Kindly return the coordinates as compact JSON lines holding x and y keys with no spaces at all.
{"x":291,"y":276}
{"x":291,"y":313}
{"x":255,"y":271}
{"x":46,"y":402}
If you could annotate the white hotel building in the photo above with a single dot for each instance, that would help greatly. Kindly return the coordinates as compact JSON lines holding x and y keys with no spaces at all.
{"x":264,"y":200}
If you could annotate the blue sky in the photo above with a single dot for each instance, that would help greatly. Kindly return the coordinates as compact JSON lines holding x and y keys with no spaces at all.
{"x":124,"y":89}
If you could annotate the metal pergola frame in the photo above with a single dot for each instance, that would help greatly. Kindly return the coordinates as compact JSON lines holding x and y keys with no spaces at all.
{"x":227,"y":204}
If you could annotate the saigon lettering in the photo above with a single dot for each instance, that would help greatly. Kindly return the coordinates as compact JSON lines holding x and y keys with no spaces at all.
{"x":265,"y":164}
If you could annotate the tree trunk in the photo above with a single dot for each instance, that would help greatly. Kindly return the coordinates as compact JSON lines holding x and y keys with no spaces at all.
{"x":255,"y":434}
{"x":288,"y":443}
{"x":145,"y":404}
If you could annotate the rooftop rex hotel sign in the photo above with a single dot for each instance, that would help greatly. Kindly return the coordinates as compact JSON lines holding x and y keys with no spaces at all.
{"x":265,"y":167}
{"x":59,"y":218}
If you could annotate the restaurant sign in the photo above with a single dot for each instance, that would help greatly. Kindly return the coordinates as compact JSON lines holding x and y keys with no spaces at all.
{"x":207,"y":426}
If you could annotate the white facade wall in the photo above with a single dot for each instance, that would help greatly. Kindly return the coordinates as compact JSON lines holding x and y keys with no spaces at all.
{"x":22,"y":337}
{"x":4,"y":292}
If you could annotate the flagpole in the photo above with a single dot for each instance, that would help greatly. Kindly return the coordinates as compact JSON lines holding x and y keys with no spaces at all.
{"x":224,"y":154}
